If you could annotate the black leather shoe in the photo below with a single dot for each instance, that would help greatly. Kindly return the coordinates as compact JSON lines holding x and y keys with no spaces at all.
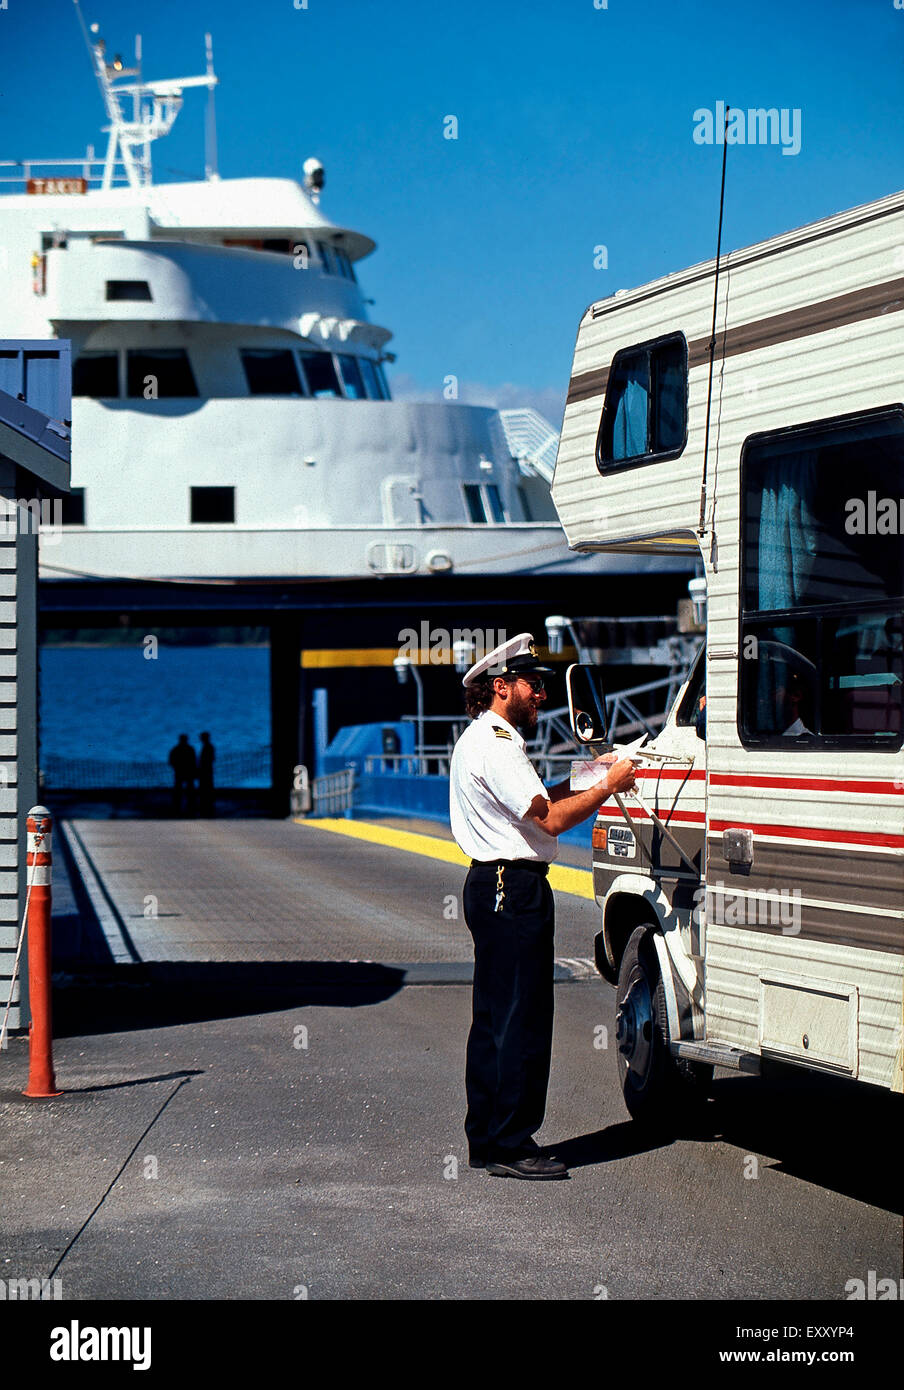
{"x":478,"y":1161}
{"x":532,"y":1166}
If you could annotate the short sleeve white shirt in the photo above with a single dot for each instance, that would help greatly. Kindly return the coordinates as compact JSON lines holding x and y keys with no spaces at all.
{"x":492,"y":783}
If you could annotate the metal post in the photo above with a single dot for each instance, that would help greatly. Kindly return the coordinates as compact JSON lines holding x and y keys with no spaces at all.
{"x":421,"y":764}
{"x":321,"y":728}
{"x":41,"y":1080}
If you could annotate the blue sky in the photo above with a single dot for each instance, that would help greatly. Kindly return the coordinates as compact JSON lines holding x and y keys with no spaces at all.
{"x":575,"y":130}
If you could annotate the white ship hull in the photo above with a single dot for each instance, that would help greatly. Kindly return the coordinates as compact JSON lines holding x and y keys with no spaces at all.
{"x":340,"y":552}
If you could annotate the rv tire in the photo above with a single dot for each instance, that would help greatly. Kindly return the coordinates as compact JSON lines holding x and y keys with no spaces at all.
{"x":658,"y":1091}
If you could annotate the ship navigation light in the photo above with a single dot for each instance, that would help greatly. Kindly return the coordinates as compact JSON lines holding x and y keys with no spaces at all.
{"x":463,"y":655}
{"x":314,"y":178}
{"x":555,"y":629}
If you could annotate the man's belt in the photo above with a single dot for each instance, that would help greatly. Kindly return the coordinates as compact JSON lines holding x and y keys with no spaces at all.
{"x":533,"y":866}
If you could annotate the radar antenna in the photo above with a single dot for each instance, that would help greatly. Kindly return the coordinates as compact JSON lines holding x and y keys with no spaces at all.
{"x":155,"y":107}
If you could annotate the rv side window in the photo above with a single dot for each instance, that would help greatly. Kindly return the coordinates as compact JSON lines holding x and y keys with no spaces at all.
{"x":645,"y":411}
{"x":689,"y":710}
{"x":822,"y":585}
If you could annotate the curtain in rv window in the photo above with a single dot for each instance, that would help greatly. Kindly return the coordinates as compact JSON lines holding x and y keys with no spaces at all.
{"x":645,"y":411}
{"x":629,"y":428}
{"x":822,"y":622}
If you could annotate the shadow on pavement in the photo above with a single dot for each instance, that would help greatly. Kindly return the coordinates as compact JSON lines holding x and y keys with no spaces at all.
{"x":607,"y":1145}
{"x":826,"y":1130}
{"x":124,"y":998}
{"x":139,"y":1081}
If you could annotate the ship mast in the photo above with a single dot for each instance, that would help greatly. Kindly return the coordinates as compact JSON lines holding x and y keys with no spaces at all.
{"x":155,"y":107}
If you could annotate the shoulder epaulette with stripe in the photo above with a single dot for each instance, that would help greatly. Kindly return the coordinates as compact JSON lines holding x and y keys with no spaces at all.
{"x":500,"y":732}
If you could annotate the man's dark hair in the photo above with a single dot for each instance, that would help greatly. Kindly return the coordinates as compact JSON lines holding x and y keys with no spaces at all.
{"x":479,"y":695}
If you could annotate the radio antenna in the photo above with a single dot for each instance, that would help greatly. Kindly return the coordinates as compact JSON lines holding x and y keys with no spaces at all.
{"x":701,"y":529}
{"x":210,"y":141}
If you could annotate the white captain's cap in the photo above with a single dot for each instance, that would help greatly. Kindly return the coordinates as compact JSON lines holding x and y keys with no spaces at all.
{"x":517,"y":657}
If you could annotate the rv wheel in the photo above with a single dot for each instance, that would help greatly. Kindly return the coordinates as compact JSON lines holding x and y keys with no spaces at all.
{"x":656,"y":1089}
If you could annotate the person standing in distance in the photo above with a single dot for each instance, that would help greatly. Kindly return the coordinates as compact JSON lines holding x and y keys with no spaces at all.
{"x":507,"y":822}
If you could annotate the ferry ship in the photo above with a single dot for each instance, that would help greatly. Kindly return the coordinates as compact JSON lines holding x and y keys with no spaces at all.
{"x":233,"y":424}
{"x":231,"y":412}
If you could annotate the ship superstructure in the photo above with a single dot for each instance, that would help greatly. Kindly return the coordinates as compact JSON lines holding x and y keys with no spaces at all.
{"x":231,"y":414}
{"x":237,"y":458}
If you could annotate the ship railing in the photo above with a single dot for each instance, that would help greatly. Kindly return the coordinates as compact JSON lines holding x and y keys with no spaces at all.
{"x":243,"y":768}
{"x":39,"y":169}
{"x":553,"y":743}
{"x":626,"y":720}
{"x":531,"y":440}
{"x":430,"y":762}
{"x":333,"y":794}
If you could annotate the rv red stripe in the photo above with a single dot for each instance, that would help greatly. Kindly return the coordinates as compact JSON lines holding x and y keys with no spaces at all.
{"x":810,"y":784}
{"x":790,"y":832}
{"x":800,"y":832}
{"x":670,"y":774}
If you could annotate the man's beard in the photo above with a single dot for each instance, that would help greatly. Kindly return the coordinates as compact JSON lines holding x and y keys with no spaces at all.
{"x":523,"y":714}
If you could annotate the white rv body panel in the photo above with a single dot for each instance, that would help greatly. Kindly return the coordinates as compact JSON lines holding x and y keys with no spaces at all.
{"x":810,"y":327}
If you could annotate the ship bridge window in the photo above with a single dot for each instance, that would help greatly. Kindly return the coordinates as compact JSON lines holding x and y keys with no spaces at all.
{"x":320,"y":374}
{"x":328,"y":259}
{"x":351,"y":378}
{"x":271,"y":372}
{"x":374,"y":380}
{"x":157,"y":372}
{"x":822,"y":590}
{"x":96,"y":374}
{"x":285,"y":246}
{"x":474,"y":502}
{"x":483,"y":503}
{"x":335,"y":261}
{"x":644,"y":415}
{"x":72,"y":511}
{"x":129,"y":289}
{"x":212,"y":505}
{"x":494,"y":502}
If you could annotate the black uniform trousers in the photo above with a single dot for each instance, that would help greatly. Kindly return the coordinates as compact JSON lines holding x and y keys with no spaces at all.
{"x":510,"y":1042}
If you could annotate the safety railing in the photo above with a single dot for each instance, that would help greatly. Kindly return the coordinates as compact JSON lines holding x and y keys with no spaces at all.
{"x":432,"y":762}
{"x":250,"y":768}
{"x":334,"y":793}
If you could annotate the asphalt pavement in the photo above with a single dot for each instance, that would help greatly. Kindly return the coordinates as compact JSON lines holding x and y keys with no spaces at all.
{"x":290,"y":1126}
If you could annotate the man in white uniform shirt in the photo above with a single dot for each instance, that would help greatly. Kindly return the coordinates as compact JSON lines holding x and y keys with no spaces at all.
{"x":507,"y":822}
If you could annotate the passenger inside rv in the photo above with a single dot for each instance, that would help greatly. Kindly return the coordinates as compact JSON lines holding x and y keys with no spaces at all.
{"x":793,"y":701}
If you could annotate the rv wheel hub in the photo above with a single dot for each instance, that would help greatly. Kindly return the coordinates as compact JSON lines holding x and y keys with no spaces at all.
{"x":634,"y":1026}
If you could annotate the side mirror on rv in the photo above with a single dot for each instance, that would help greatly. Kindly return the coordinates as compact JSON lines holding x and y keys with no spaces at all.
{"x":586,"y":703}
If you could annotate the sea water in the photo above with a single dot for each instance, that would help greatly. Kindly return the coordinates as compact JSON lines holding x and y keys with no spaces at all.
{"x":113,"y":708}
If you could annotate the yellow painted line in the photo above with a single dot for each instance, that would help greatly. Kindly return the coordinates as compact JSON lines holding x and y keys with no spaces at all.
{"x":577,"y":882}
{"x":349,"y":656}
{"x":327,"y":657}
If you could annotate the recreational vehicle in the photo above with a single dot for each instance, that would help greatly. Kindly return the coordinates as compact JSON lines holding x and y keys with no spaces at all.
{"x":748,"y":411}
